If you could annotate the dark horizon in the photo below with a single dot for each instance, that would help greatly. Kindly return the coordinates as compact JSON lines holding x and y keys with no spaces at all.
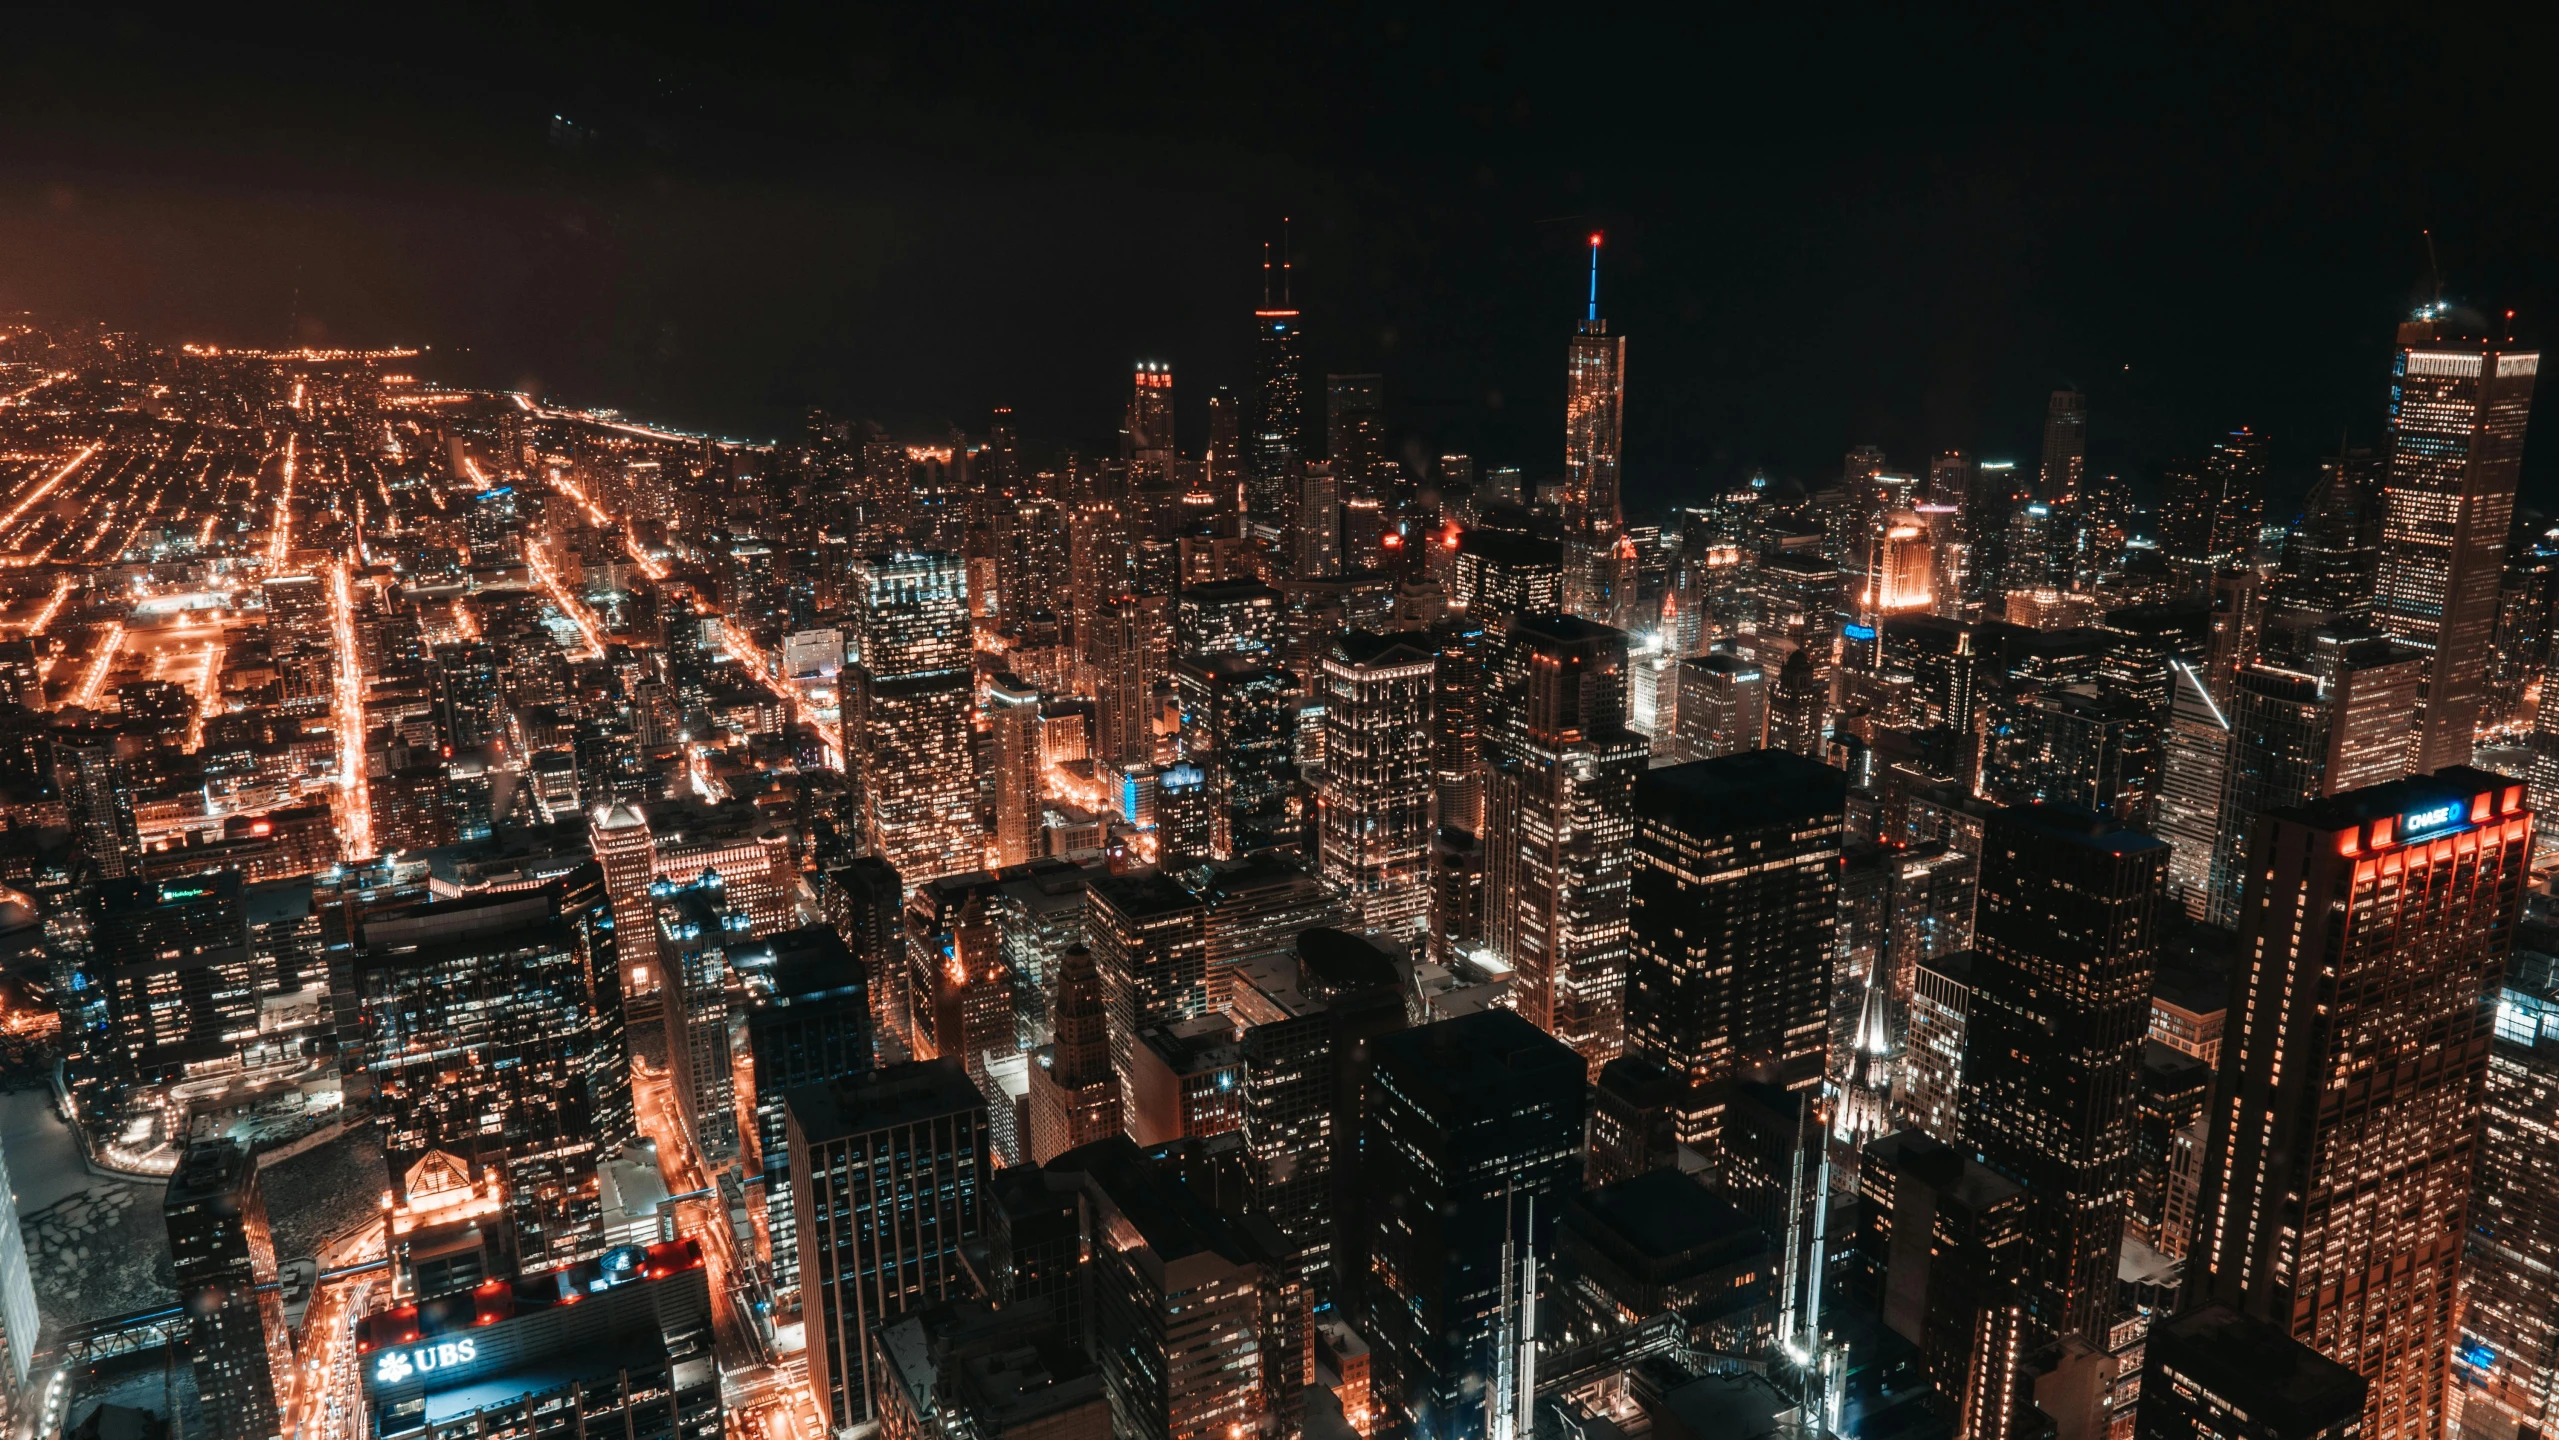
{"x":1880,"y":230}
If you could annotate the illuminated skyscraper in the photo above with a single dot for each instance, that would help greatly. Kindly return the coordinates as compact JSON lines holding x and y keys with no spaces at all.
{"x":1124,"y":661}
{"x":1013,"y":713}
{"x":2065,"y":942}
{"x":222,"y":1256}
{"x":907,"y":717}
{"x":1594,"y":417}
{"x":2510,"y":1315}
{"x":1375,"y":796}
{"x":619,"y":836}
{"x":1239,"y":728}
{"x":492,"y":1027}
{"x":1722,"y":707}
{"x":1150,"y":424}
{"x":1559,"y":825}
{"x":1735,"y":921}
{"x":2344,"y":1135}
{"x":1474,"y":1128}
{"x":2458,"y":405}
{"x":1355,"y":436}
{"x":2065,"y":446}
{"x":1223,"y":470}
{"x":1277,"y":440}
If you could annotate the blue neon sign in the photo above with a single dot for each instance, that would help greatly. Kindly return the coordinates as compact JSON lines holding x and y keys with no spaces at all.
{"x":2434,"y":819}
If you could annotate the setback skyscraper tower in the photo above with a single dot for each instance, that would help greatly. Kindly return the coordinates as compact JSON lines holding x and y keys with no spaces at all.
{"x":1277,"y":440}
{"x":2458,"y":404}
{"x":1594,"y":414}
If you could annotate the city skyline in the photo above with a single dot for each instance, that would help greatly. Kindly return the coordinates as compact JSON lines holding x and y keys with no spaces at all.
{"x":1939,"y":315}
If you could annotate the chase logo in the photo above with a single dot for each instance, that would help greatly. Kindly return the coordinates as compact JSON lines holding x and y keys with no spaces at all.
{"x":2417,"y":823}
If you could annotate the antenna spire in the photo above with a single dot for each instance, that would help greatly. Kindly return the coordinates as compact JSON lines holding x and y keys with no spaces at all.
{"x":2434,"y":268}
{"x":1266,"y":275}
{"x":1594,"y":277}
{"x":1288,"y":266}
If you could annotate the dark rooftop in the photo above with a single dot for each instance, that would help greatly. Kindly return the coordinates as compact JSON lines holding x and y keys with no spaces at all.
{"x":1666,"y":1215}
{"x":1753,"y":788}
{"x":2071,"y":825}
{"x":2258,"y":1367}
{"x":895,"y":1095}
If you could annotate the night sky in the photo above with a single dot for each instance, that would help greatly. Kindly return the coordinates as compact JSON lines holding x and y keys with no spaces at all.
{"x":1880,"y":227}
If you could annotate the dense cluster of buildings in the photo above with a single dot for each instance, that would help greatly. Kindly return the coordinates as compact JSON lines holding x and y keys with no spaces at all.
{"x":1274,"y":938}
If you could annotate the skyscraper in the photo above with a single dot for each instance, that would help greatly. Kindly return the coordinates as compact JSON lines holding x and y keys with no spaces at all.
{"x":1355,"y":439}
{"x":886,"y":1172}
{"x":1149,"y":938}
{"x":907,"y":720}
{"x":221,"y":1254}
{"x":1735,"y":914}
{"x":492,"y":1028}
{"x":2339,"y":1160}
{"x":1558,"y":822}
{"x":2459,"y":401}
{"x":1150,"y":424}
{"x":1124,"y":665}
{"x":1277,"y":441}
{"x":2065,"y":941}
{"x":1075,"y":1094}
{"x":2065,"y":446}
{"x":808,"y":1021}
{"x":1013,"y":713}
{"x":1375,"y":796}
{"x":619,"y":836}
{"x":1594,"y":418}
{"x":1473,"y":1130}
{"x":1722,"y":707}
{"x":2215,"y":1372}
{"x":2510,"y":1311}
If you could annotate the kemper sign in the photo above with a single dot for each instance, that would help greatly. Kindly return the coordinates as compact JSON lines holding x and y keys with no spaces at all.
{"x":395,"y":1366}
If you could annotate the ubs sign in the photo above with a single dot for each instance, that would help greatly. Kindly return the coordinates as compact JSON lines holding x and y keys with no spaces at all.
{"x":395,"y":1366}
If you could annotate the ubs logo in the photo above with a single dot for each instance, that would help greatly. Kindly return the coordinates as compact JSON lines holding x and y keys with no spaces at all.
{"x":398,"y":1365}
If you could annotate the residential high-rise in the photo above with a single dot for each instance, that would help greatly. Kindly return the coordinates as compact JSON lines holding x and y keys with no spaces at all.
{"x":492,"y":1026}
{"x":1735,"y":911}
{"x":2065,"y":945}
{"x":1277,"y":440}
{"x":1594,"y":421}
{"x":2509,"y":1352}
{"x":2459,"y":400}
{"x":222,"y":1256}
{"x":1559,"y":819}
{"x":886,"y":1171}
{"x":1223,"y":466}
{"x":97,"y":790}
{"x":1474,"y":1127}
{"x":1150,"y":424}
{"x":2338,"y":1165}
{"x":2214,"y":1373}
{"x":1375,"y":796}
{"x":1125,"y":662}
{"x":907,"y":714}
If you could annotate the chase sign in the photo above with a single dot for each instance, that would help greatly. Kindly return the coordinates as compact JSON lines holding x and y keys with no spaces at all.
{"x":2418,"y":824}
